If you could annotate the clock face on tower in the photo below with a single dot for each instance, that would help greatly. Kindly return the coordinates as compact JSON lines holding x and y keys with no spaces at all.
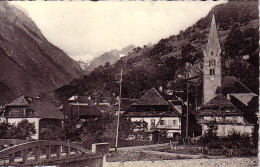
{"x":212,"y":79}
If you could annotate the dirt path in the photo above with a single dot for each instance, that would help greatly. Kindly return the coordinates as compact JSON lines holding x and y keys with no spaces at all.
{"x":140,"y":148}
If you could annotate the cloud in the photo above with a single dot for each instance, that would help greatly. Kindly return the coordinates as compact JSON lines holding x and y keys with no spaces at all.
{"x":83,"y":28}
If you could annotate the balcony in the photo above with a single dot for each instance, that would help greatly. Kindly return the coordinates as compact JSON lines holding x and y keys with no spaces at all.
{"x":221,"y":121}
{"x":166,"y":127}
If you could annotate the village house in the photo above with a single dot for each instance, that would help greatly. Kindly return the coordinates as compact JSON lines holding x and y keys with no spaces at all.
{"x":225,"y":99}
{"x":161,"y":112}
{"x":226,"y":114}
{"x":39,"y":111}
{"x":81,"y":107}
{"x":124,"y":105}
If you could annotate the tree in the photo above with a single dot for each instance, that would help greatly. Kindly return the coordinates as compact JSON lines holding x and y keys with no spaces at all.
{"x":53,"y":132}
{"x":103,"y":129}
{"x":23,"y":130}
{"x":140,"y":128}
{"x":107,"y":64}
{"x":211,"y":135}
{"x":71,"y":130}
{"x":4,"y":127}
{"x":255,"y":136}
{"x":234,"y":42}
{"x":187,"y":53}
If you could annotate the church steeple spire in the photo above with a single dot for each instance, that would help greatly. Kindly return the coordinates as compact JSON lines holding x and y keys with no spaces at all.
{"x":211,"y":64}
{"x":213,"y":46}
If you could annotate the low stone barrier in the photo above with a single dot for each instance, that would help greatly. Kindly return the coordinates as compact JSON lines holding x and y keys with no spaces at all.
{"x":225,"y":162}
{"x":100,"y":147}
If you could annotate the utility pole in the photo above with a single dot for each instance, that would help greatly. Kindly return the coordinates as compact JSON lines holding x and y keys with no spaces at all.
{"x":119,"y":109}
{"x":187,"y":114}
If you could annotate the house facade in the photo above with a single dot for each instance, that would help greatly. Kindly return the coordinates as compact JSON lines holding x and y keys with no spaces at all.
{"x":159,"y":111}
{"x":38,"y":111}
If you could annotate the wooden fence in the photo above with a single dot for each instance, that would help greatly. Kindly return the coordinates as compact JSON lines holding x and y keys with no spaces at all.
{"x":208,"y":151}
{"x":232,"y":152}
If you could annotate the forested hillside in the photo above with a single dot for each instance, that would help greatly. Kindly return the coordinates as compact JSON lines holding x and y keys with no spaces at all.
{"x":180,"y":56}
{"x":29,"y":64}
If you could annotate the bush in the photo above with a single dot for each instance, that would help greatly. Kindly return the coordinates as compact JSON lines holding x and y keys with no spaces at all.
{"x":23,"y":130}
{"x":238,"y":140}
{"x":215,"y":145}
{"x":4,"y":127}
{"x":53,"y":132}
{"x":210,"y":136}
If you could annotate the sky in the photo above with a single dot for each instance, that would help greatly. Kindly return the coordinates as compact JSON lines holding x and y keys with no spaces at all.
{"x":86,"y":29}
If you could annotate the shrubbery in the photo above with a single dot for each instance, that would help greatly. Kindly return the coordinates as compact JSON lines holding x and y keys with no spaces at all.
{"x":233,"y":140}
{"x":21,"y":130}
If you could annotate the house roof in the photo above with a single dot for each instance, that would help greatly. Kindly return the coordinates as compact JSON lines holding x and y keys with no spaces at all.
{"x":219,"y":105}
{"x":42,"y":108}
{"x":150,"y":114}
{"x":20,"y":101}
{"x":45,"y":109}
{"x":155,"y":99}
{"x":231,"y":84}
{"x":104,"y":108}
{"x":81,"y":99}
{"x":85,"y":111}
{"x":152,"y":97}
{"x":125,"y":104}
{"x":248,"y":113}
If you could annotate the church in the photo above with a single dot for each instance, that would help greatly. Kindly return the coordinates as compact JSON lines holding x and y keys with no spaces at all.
{"x":225,"y":98}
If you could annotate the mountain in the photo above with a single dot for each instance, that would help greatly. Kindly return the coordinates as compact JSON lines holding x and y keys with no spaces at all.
{"x":111,"y":57}
{"x":180,"y":56}
{"x":84,"y":63}
{"x":29,"y":65}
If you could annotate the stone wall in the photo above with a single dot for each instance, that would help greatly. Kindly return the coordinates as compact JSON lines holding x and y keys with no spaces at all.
{"x":225,"y":162}
{"x":100,"y":147}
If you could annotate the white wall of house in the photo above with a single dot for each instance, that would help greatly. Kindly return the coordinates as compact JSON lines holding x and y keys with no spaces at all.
{"x":30,"y":120}
{"x":225,"y":129}
{"x":237,"y":119}
{"x":168,"y":123}
{"x":2,"y":119}
{"x":244,"y":97}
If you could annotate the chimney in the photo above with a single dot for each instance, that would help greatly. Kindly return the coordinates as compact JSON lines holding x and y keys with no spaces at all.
{"x":228,"y":96}
{"x":161,"y":88}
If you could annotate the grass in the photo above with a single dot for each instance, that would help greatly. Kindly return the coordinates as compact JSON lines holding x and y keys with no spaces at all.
{"x":137,"y":156}
{"x":187,"y":150}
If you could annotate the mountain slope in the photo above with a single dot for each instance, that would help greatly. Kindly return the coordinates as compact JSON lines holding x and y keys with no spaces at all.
{"x":181,"y":56}
{"x":29,"y":64}
{"x":111,"y":57}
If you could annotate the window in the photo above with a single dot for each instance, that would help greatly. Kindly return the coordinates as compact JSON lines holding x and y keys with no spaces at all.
{"x":16,"y":112}
{"x":152,"y":122}
{"x":223,"y":130}
{"x":29,"y":112}
{"x":212,"y":71}
{"x":235,"y":119}
{"x":162,"y":122}
{"x":171,"y":122}
{"x":212,"y":63}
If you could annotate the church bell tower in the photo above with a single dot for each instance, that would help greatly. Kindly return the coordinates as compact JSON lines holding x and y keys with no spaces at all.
{"x":211,"y":64}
